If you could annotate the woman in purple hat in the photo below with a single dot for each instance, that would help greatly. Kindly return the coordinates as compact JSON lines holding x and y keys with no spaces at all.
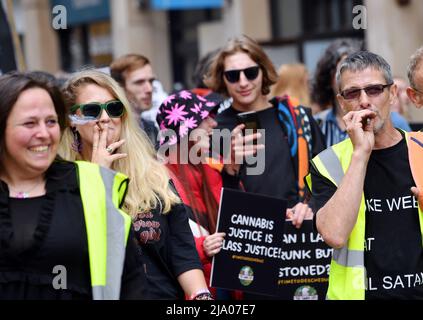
{"x":186,"y":122}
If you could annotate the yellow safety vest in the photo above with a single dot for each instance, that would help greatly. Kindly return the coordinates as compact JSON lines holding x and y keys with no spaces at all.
{"x":102,"y":193}
{"x":347,"y":277}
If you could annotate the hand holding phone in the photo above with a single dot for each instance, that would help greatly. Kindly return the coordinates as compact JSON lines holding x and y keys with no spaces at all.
{"x":250,"y":120}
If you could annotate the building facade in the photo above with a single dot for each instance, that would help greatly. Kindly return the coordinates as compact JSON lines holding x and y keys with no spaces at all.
{"x":175,"y":34}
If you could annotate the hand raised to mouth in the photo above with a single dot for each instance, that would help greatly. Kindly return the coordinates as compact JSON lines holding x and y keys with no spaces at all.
{"x":102,"y":153}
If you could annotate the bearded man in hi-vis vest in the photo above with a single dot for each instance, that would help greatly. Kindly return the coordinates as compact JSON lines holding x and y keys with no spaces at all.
{"x":364,"y":191}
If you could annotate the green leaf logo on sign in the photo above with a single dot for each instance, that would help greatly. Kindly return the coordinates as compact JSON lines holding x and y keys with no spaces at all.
{"x":246,"y":275}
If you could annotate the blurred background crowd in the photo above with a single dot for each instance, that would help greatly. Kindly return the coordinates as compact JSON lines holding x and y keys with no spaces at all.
{"x":62,"y":36}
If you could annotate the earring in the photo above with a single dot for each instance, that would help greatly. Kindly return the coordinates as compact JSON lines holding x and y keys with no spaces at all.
{"x":77,"y":143}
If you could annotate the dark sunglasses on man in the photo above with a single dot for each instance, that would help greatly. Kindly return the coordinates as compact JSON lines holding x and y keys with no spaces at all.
{"x":373,"y":90}
{"x":114,"y":108}
{"x":250,"y":73}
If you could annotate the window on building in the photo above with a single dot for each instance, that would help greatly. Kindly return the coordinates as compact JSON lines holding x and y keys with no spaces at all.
{"x":302,"y":29}
{"x":327,"y":16}
{"x":184,"y":41}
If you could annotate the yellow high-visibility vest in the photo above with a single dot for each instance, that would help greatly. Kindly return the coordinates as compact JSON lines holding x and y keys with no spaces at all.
{"x":102,"y":193}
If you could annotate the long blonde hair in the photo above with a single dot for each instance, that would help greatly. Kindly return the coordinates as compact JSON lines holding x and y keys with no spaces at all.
{"x":149,"y":179}
{"x":292,"y":80}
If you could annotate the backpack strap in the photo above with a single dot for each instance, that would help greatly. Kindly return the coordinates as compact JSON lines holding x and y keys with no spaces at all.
{"x":296,"y":126}
{"x":415,"y":157}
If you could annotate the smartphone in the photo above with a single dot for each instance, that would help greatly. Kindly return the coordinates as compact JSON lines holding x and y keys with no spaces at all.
{"x":250,"y":119}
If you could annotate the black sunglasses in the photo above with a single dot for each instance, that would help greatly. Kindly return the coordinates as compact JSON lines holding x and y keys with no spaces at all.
{"x":371,"y":91}
{"x":114,"y":109}
{"x":250,"y":73}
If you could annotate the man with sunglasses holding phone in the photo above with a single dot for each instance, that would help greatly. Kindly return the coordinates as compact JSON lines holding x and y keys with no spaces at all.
{"x":135,"y":74}
{"x":242,"y":71}
{"x":361,"y":192}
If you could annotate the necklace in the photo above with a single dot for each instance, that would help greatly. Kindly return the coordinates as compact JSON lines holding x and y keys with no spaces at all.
{"x":25,"y":194}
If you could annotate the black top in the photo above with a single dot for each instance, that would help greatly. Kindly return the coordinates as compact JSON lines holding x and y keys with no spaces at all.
{"x":38,"y":234}
{"x":168,"y":250}
{"x":278,"y":178}
{"x":393,"y":245}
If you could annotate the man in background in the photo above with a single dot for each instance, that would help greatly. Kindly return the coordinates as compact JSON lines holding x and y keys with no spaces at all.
{"x":415,"y":77}
{"x":135,"y":74}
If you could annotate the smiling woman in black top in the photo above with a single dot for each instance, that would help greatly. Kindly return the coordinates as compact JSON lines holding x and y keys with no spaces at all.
{"x":47,"y":242}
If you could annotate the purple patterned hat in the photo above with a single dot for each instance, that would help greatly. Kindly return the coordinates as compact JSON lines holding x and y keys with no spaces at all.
{"x":180,"y":113}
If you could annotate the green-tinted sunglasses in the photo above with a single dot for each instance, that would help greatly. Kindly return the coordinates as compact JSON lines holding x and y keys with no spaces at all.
{"x":114,"y":108}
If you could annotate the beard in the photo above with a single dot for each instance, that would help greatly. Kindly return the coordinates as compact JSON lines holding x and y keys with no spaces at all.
{"x":380,"y":122}
{"x":379,"y":126}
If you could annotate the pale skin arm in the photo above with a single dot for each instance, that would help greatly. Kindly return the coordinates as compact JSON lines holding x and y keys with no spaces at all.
{"x":337,"y":218}
{"x":192,"y":281}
